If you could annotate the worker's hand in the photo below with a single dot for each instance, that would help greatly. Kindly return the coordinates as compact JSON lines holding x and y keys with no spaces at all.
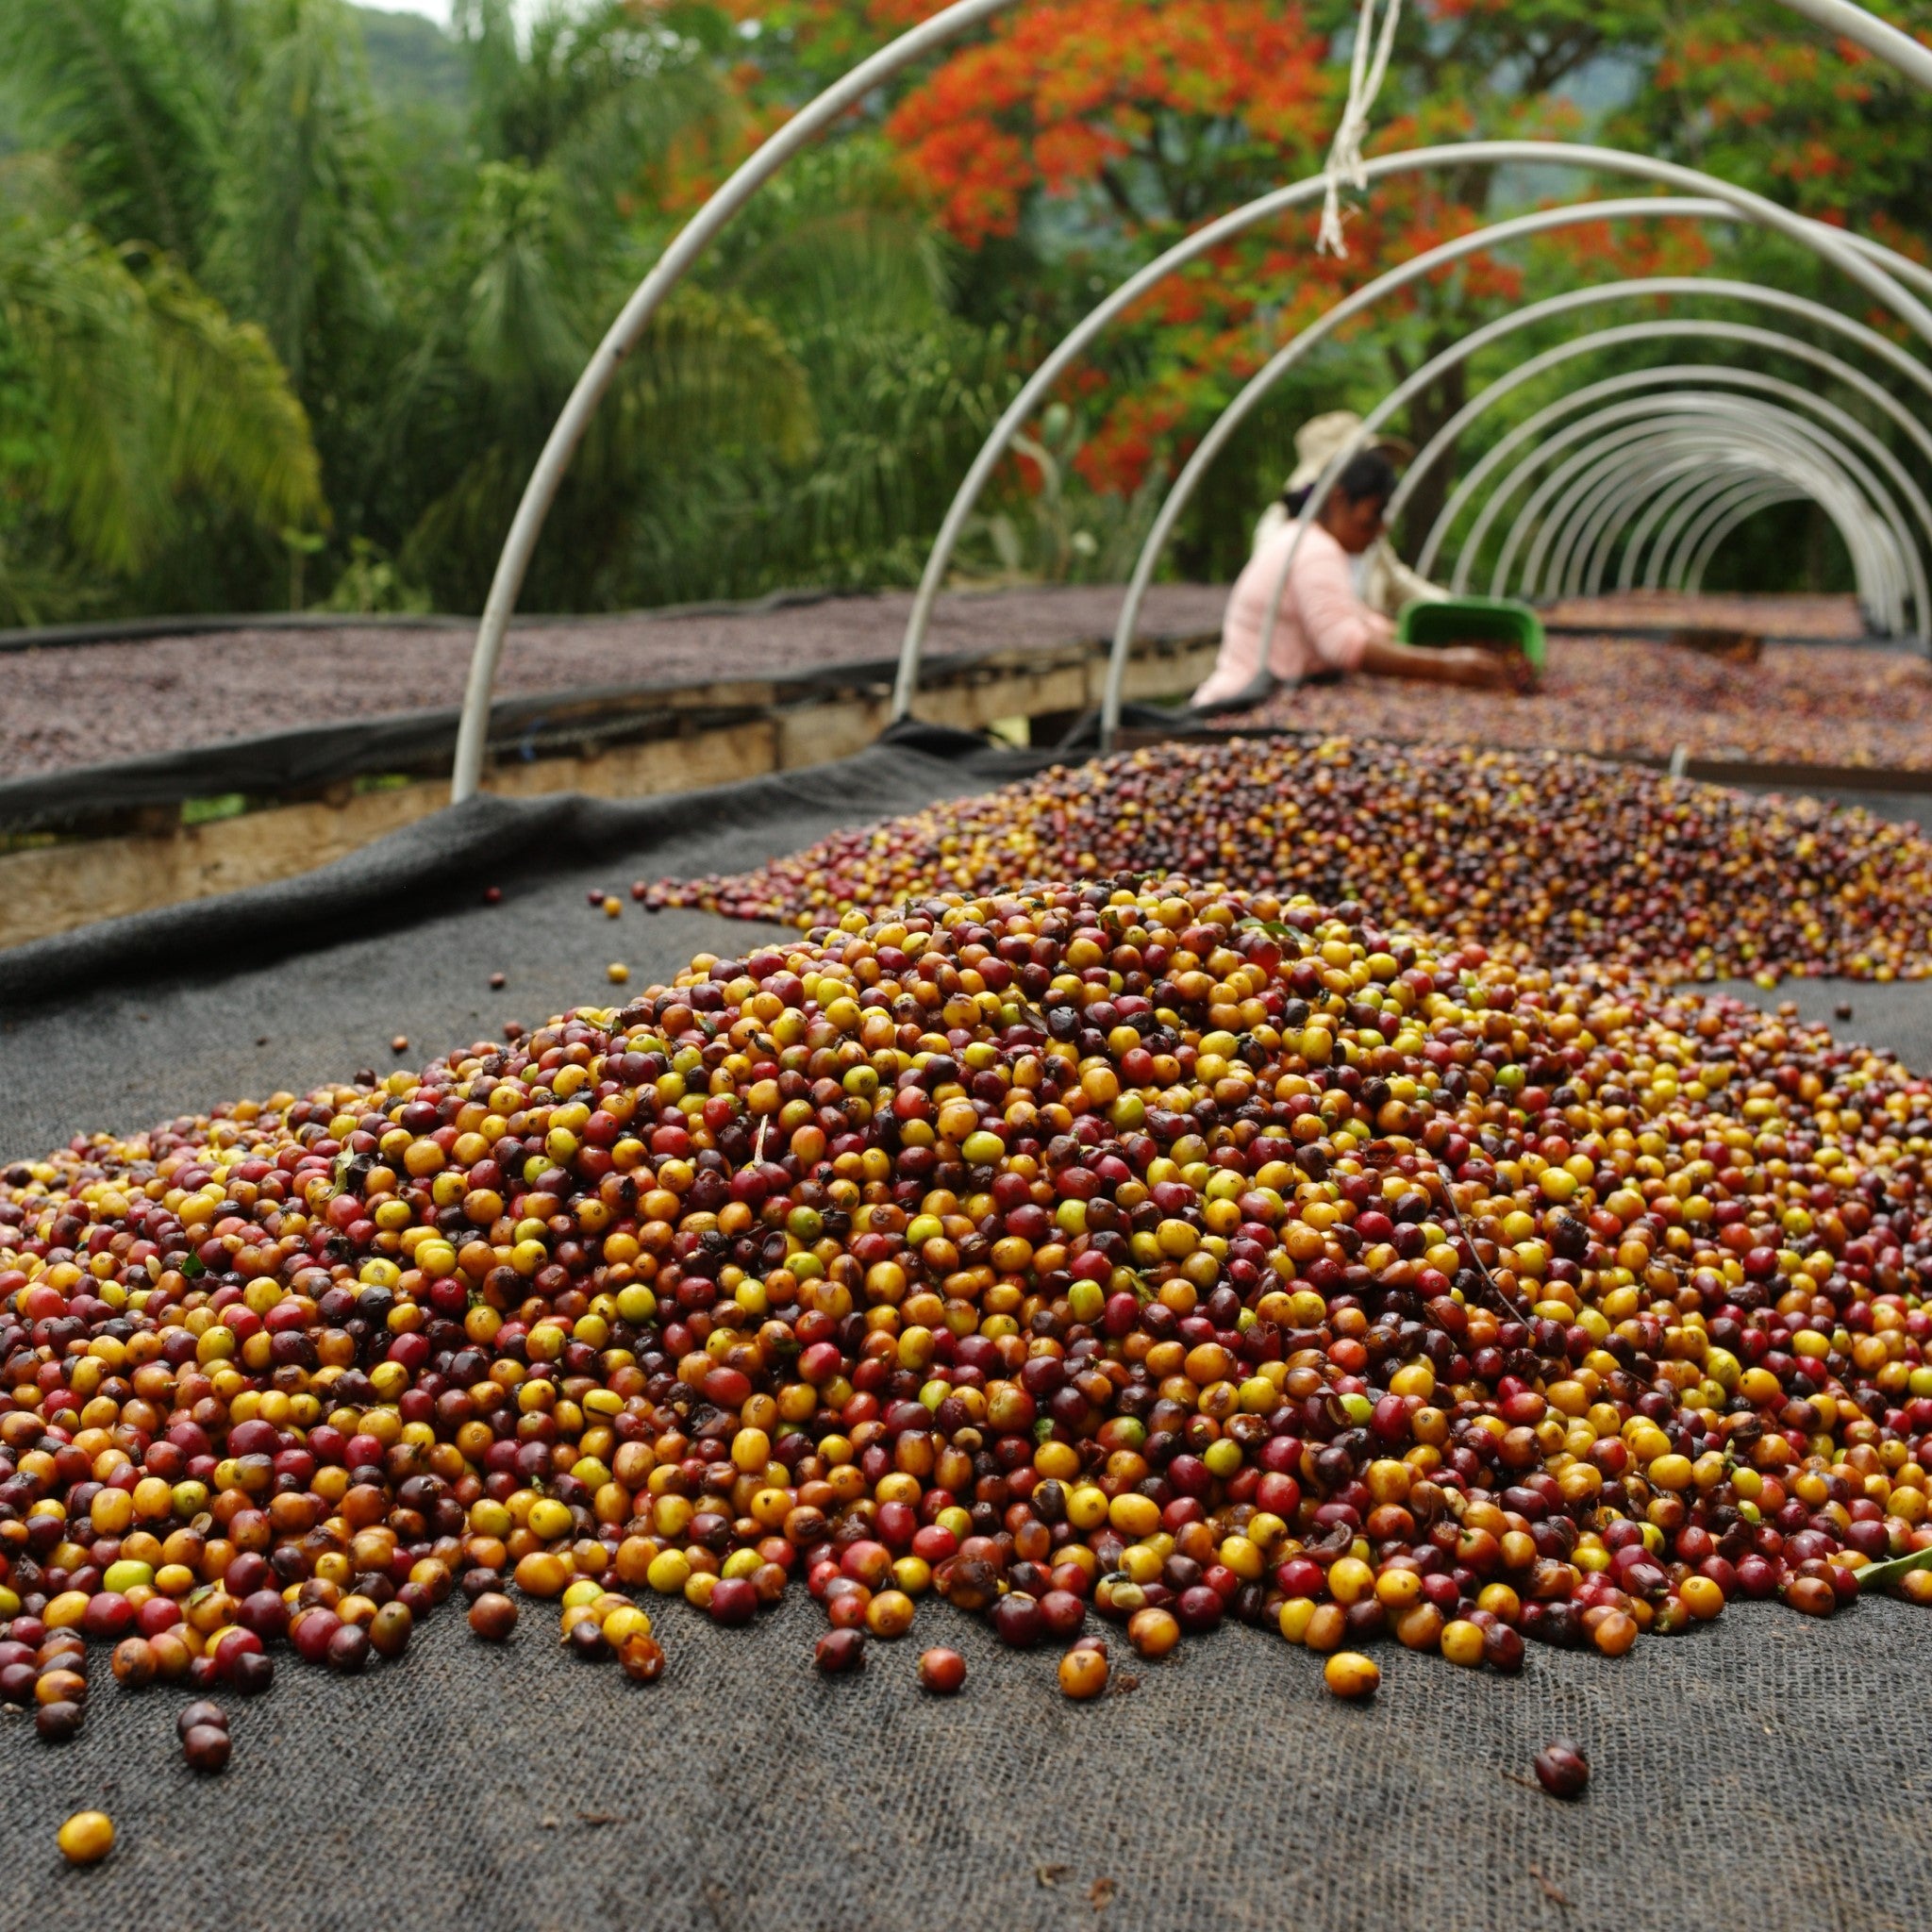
{"x":1483,"y":669}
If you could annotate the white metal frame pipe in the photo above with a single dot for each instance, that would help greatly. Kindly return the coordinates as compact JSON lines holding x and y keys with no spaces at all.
{"x":1659,"y":512}
{"x":1637,"y":425}
{"x":1662,"y":512}
{"x":1669,"y":328}
{"x":1846,"y":425}
{"x":1587,"y":571}
{"x":1844,"y":435}
{"x":1667,"y":569}
{"x":1655,"y":453}
{"x":625,"y":333}
{"x":1739,"y":433}
{"x":1523,"y":433}
{"x":1640,"y":472}
{"x":1647,"y":498}
{"x":1874,"y":35}
{"x":1753,"y":294}
{"x":1729,"y":429}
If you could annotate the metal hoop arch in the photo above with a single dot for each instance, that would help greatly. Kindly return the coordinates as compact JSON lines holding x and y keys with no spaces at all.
{"x":1691,"y":415}
{"x":1593,"y":556}
{"x":1753,"y":294}
{"x":1846,"y":427}
{"x":1648,"y":452}
{"x":1710,"y":494}
{"x":1690,"y":484}
{"x":1691,"y":410}
{"x":1666,"y":511}
{"x":1665,"y":514}
{"x":1660,"y":519}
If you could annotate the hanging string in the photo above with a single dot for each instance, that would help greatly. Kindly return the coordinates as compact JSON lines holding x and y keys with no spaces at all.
{"x":1366,"y":70}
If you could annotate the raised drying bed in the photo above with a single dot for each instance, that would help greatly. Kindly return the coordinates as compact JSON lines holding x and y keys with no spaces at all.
{"x":94,"y":843}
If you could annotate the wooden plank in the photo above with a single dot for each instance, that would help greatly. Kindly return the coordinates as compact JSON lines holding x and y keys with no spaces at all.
{"x":50,"y":889}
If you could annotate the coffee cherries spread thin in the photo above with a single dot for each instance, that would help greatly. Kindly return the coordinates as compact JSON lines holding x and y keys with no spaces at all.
{"x":1544,"y":857}
{"x":1135,"y":1249}
{"x":1800,"y":703}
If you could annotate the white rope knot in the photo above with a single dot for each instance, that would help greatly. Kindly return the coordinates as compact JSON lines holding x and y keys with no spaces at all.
{"x":1367,"y":67}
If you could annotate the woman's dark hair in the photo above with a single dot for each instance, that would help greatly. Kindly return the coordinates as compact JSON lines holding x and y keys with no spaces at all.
{"x":1293,"y":501}
{"x":1370,"y":475}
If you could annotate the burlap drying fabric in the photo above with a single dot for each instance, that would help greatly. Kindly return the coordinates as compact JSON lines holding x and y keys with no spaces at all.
{"x":1765,"y":1770}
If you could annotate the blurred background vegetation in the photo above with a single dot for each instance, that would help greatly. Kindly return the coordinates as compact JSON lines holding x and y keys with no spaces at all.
{"x":290,"y":289}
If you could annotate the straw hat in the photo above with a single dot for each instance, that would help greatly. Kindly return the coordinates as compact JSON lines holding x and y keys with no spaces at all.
{"x":1322,"y":438}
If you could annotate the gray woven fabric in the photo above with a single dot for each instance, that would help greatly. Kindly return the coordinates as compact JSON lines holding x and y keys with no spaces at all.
{"x":1765,"y":1770}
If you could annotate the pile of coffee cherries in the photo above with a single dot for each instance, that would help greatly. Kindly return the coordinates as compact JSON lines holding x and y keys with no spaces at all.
{"x":1129,"y":1249}
{"x":1799,"y":704}
{"x":1545,"y":856}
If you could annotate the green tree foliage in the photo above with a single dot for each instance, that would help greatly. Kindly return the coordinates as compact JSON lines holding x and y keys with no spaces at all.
{"x":269,"y":320}
{"x":132,"y":392}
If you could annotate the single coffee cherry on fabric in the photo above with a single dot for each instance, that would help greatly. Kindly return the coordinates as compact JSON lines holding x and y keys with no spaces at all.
{"x":58,"y":1722}
{"x":134,"y":1664}
{"x":1083,"y":1673}
{"x":1561,"y":1769}
{"x":941,"y":1670}
{"x":1351,"y":1675}
{"x":206,"y":1747}
{"x":840,"y":1651}
{"x":87,"y":1838}
{"x":643,"y":1658}
{"x":493,"y":1616}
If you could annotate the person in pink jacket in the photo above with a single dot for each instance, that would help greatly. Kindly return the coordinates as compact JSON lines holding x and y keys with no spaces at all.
{"x":1324,"y":629}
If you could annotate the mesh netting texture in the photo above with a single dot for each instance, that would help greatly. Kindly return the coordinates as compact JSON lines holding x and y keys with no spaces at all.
{"x":1763,"y":1770}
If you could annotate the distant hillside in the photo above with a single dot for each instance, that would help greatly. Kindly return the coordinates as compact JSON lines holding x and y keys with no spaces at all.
{"x":412,"y":62}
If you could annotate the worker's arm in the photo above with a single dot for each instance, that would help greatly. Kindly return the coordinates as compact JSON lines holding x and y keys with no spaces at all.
{"x":1450,"y":664}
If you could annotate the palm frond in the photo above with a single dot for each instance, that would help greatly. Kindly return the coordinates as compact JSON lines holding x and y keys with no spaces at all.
{"x":711,"y":371}
{"x":518,"y":330}
{"x":146,"y":390}
{"x":75,"y":320}
{"x":236,"y":429}
{"x":121,"y":90}
{"x":296,"y":235}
